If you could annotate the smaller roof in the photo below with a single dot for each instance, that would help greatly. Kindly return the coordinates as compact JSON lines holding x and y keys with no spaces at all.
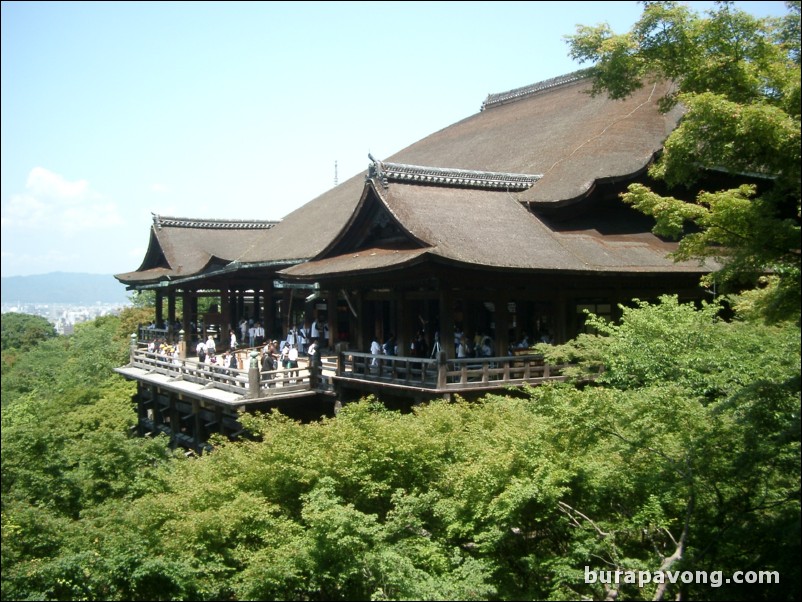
{"x":181,"y":247}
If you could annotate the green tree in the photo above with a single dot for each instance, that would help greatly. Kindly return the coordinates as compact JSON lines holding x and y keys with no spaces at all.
{"x":738,"y":79}
{"x":66,"y":452}
{"x":24,"y":331}
{"x":21,"y":333}
{"x":687,"y":450}
{"x":143,"y":299}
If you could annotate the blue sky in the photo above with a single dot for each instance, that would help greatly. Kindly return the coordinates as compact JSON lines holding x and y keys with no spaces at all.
{"x":112,"y":111}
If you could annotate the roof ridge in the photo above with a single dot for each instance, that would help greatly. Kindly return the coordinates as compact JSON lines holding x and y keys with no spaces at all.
{"x":160,"y":221}
{"x":501,"y":98}
{"x":449,"y":176}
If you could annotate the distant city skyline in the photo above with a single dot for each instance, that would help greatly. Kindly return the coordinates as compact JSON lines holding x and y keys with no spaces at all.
{"x":63,"y":316}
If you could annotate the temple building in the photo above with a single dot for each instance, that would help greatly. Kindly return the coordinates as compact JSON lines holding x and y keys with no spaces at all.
{"x":507,"y":223}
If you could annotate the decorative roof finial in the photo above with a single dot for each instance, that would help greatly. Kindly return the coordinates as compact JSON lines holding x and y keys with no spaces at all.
{"x":376,"y":171}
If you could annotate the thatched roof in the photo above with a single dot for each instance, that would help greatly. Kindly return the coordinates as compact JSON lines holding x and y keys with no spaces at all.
{"x":489,"y":229}
{"x":463,"y":193}
{"x":561,"y":133}
{"x":182,"y":247}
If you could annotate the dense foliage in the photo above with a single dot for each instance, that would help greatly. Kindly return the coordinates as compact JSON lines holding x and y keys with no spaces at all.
{"x":24,"y":331}
{"x":738,"y":78}
{"x":684,"y":454}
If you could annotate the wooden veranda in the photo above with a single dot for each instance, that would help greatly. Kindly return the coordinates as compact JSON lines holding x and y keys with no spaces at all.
{"x":189,"y":401}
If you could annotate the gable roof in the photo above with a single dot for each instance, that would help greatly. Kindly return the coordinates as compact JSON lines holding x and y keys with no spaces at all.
{"x":182,"y":247}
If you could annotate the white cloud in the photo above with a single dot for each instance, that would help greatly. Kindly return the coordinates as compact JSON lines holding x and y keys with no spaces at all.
{"x":52,"y":203}
{"x":44,"y":183}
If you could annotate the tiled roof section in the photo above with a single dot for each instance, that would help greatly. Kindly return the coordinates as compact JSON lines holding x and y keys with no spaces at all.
{"x":446,"y":176}
{"x":502,"y":98}
{"x":161,"y":221}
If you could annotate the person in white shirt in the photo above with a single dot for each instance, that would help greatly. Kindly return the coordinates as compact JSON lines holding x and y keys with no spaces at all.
{"x":376,"y":350}
{"x":292,"y":357}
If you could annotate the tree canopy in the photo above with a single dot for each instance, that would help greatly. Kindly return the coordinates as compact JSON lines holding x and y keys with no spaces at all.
{"x":684,"y":454}
{"x":24,"y":331}
{"x":738,"y":79}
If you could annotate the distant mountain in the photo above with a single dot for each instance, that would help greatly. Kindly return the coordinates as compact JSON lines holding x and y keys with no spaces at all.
{"x":63,"y":287}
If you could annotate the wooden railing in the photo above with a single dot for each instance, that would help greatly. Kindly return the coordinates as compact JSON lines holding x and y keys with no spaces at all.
{"x":269,"y":383}
{"x":146,"y":334}
{"x":439,"y":375}
{"x":446,"y":375}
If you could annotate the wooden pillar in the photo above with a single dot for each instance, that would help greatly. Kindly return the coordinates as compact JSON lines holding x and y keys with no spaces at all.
{"x":225,"y":316}
{"x":159,"y":309}
{"x":402,"y":337}
{"x":361,"y":336}
{"x":377,"y":326}
{"x":268,"y":312}
{"x":197,"y":425}
{"x":142,"y":410}
{"x":171,"y":314}
{"x":502,"y":338}
{"x":175,"y":419}
{"x":185,"y":316}
{"x":331,"y":317}
{"x":258,"y":314}
{"x":314,"y":371}
{"x":447,"y":319}
{"x":240,"y":313}
{"x":442,"y":368}
{"x":286,"y":316}
{"x":409,"y":327}
{"x":233,"y":308}
{"x":193,"y":317}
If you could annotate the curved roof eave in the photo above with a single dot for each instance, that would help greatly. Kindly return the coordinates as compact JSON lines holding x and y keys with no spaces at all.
{"x":365,"y":261}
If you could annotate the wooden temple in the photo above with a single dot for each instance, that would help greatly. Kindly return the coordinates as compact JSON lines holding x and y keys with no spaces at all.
{"x":503,"y":228}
